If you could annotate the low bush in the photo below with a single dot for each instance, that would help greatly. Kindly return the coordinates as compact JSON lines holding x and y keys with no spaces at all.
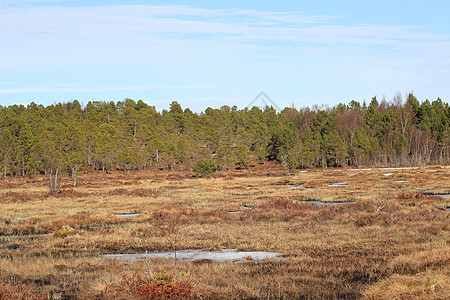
{"x":161,"y":286}
{"x":205,"y":167}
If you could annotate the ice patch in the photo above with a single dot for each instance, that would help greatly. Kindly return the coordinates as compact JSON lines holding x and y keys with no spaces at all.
{"x":439,"y":195}
{"x":339,"y":184}
{"x":126,"y":215}
{"x":228,"y":255}
{"x":295,"y":186}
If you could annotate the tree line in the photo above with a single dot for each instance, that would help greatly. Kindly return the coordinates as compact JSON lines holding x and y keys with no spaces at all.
{"x":128,"y":135}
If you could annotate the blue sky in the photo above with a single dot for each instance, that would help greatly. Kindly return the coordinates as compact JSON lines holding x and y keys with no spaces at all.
{"x":213,"y":53}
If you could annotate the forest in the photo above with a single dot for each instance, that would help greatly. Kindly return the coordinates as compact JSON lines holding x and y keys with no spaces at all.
{"x":67,"y":137}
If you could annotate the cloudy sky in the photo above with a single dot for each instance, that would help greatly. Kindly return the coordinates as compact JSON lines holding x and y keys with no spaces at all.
{"x":214,"y":53}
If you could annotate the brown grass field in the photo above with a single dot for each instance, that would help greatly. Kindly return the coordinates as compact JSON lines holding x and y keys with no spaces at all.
{"x":391,"y":242}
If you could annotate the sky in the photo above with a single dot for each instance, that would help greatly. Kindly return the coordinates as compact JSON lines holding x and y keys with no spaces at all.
{"x":214,"y":53}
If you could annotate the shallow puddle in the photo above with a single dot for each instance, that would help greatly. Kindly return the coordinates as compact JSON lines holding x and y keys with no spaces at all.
{"x":339,"y":184}
{"x":126,"y":215}
{"x":438,"y":195}
{"x":228,"y":255}
{"x":235,"y":212}
{"x":295,"y":186}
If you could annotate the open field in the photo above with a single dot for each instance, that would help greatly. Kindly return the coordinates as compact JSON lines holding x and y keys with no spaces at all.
{"x":391,"y":241}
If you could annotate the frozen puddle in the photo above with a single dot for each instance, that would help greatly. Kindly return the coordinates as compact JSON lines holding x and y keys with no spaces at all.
{"x":228,"y":255}
{"x":235,"y":212}
{"x":126,"y":215}
{"x":441,"y":195}
{"x":295,"y":186}
{"x":400,"y":181}
{"x":342,"y":184}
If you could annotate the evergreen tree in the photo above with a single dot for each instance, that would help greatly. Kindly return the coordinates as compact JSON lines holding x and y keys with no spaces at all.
{"x":65,"y":137}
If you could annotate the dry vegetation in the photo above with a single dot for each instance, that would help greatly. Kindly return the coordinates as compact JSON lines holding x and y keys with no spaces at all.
{"x":391,"y":242}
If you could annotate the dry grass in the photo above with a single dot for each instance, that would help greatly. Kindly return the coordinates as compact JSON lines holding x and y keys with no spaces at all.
{"x":430,"y":285}
{"x":391,"y":242}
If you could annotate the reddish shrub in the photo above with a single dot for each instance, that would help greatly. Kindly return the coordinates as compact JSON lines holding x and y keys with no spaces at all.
{"x":431,"y":201}
{"x":178,"y":290}
{"x":161,"y":286}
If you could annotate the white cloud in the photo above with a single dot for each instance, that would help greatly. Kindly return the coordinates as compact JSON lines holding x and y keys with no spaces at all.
{"x":140,"y":23}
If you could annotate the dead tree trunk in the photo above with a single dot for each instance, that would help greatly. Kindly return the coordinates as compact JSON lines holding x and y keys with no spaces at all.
{"x":74,"y":170}
{"x":55,"y":180}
